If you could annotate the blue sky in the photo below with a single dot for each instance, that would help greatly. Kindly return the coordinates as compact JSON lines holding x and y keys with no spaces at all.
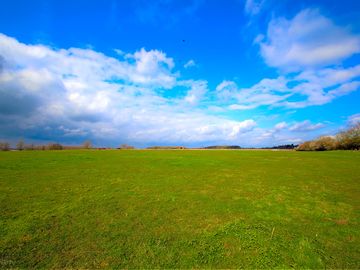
{"x":166,"y":72}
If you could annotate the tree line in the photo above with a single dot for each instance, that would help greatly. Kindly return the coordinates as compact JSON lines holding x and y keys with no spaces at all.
{"x":345,"y":140}
{"x":21,"y":146}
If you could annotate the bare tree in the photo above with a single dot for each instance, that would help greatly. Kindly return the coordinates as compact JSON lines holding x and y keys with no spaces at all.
{"x":345,"y":140}
{"x":126,"y":146}
{"x":55,"y":146}
{"x":20,"y":145}
{"x":87,"y":145}
{"x":4,"y":146}
{"x":29,"y":146}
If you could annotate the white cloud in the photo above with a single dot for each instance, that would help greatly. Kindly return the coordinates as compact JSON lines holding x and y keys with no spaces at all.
{"x":148,"y":68}
{"x":309,"y":39}
{"x":70,"y":95}
{"x":354,"y":119}
{"x":253,"y":7}
{"x":308,"y":88}
{"x":308,"y":50}
{"x":235,"y":107}
{"x":153,"y":67}
{"x":328,"y":77}
{"x":190,"y":63}
{"x":197,"y":91}
{"x":305,"y":126}
{"x":281,"y":125}
{"x":75,"y":94}
{"x":226,"y":90}
{"x":119,"y":52}
{"x":266,"y":92}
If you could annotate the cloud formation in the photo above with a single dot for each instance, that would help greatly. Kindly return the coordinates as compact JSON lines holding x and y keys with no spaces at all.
{"x":308,"y":88}
{"x":308,"y":51}
{"x":253,"y":7}
{"x":354,"y":119}
{"x":305,"y":126}
{"x":73,"y":94}
{"x":307,"y":40}
{"x":189,"y":64}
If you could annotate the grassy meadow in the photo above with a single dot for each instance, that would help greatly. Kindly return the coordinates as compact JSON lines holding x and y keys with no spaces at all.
{"x":179,"y":209}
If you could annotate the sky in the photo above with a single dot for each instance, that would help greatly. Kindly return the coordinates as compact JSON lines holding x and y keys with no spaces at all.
{"x":252,"y":73}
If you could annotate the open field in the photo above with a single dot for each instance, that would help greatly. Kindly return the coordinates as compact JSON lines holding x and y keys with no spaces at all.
{"x":184,"y":209}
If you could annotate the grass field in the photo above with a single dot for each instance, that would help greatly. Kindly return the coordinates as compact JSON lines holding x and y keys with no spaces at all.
{"x":183,"y":209}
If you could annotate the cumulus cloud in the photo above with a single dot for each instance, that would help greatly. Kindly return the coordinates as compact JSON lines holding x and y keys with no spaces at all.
{"x":152,"y":67}
{"x":197,"y":91}
{"x":308,"y":51}
{"x":307,"y":40}
{"x":69,"y":95}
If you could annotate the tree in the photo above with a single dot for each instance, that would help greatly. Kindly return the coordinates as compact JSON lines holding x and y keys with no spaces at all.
{"x":325,"y":143}
{"x":350,"y":139}
{"x":29,"y":147}
{"x":346,"y":140}
{"x":126,"y":146}
{"x":4,"y":146}
{"x":55,"y":146}
{"x":87,"y":145}
{"x":306,"y":146}
{"x":20,"y":145}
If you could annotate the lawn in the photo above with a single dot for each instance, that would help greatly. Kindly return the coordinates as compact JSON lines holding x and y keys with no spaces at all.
{"x":179,"y":209}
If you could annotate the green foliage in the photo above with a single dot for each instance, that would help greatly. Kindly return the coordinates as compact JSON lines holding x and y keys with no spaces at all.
{"x":179,"y":209}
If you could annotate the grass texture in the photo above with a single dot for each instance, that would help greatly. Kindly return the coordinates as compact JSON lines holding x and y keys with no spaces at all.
{"x":179,"y":209}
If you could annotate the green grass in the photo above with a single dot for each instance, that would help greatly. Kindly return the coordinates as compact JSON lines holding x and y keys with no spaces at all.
{"x":179,"y":209}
